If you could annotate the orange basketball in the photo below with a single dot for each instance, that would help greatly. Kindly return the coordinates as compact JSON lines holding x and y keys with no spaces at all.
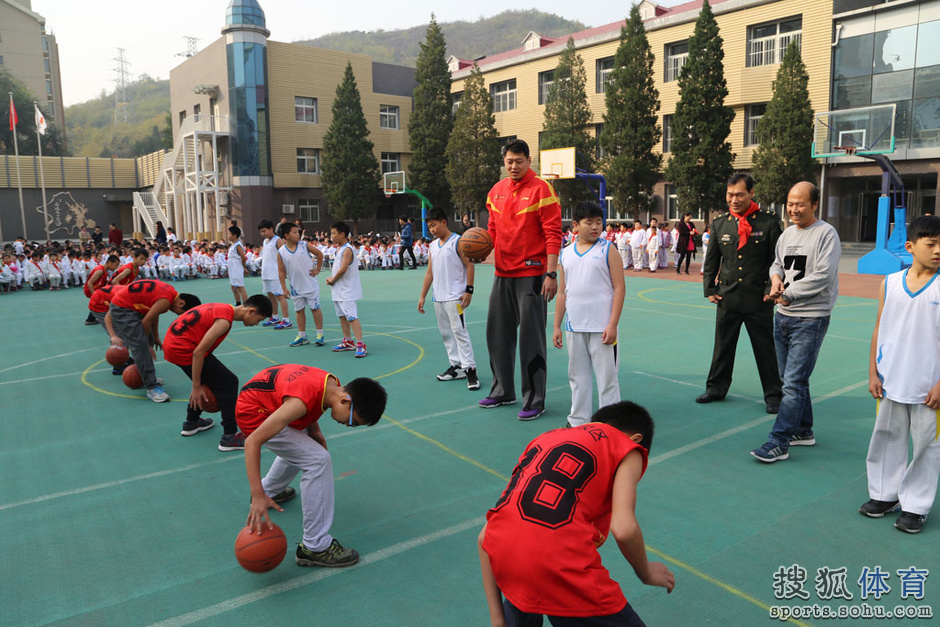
{"x":260,"y":552}
{"x":212,"y":405}
{"x":475,"y":244}
{"x":117,"y":355}
{"x":132,"y":378}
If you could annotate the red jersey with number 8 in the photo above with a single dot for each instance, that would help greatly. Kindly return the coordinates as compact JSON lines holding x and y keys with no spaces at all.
{"x":265,"y":393}
{"x":99,"y":282}
{"x":540,"y":535}
{"x":187,"y":331}
{"x":101,"y":299}
{"x":142,"y":295}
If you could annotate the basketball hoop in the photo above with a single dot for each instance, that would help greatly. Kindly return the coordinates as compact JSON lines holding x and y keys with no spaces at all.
{"x":848,"y":150}
{"x":389,"y":192}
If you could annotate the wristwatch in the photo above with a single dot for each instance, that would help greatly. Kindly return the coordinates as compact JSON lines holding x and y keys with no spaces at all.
{"x":552,"y":275}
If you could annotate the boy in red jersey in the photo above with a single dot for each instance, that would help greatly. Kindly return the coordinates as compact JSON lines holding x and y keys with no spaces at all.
{"x":129,"y":271}
{"x":133,"y":320}
{"x":98,"y":306}
{"x":189,"y":344}
{"x":280,"y":408}
{"x":99,"y":278}
{"x":570,"y":487}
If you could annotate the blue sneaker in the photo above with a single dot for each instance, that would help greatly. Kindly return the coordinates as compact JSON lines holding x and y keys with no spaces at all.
{"x":283,"y":324}
{"x":770,"y":453}
{"x":270,"y":322}
{"x":319,"y":341}
{"x":361,"y":349}
{"x":158,"y":395}
{"x":345,"y":345}
{"x":300,"y":340}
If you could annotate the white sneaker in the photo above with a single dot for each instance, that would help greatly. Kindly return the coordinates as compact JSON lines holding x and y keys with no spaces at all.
{"x":158,"y":395}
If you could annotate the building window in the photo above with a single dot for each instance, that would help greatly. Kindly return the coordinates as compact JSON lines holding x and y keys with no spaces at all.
{"x":455,"y":101}
{"x":667,"y":133}
{"x":48,"y":66}
{"x":677,"y":55}
{"x":305,"y":109}
{"x":600,"y":152}
{"x":766,"y":43}
{"x":391,"y":162}
{"x":545,"y":84}
{"x":503,"y":95}
{"x":308,"y":160}
{"x":182,"y":116}
{"x":309,"y":209}
{"x":197,"y":109}
{"x":752,"y":115}
{"x":605,"y":70}
{"x":672,"y":207}
{"x":45,"y":45}
{"x":1,"y":59}
{"x":49,"y":87}
{"x":388,"y":117}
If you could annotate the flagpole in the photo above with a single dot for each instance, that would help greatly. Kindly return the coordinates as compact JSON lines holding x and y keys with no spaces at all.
{"x":19,"y":181}
{"x":42,"y":178}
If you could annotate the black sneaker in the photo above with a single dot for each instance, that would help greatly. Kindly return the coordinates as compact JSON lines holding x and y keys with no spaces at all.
{"x":452,"y":373}
{"x":334,"y":556}
{"x":286,"y":495}
{"x":877,"y":509}
{"x":192,"y":428}
{"x":232,"y":442}
{"x":473,"y":381}
{"x":910,"y":523}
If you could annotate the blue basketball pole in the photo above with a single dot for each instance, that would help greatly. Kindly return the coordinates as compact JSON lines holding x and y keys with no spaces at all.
{"x":889,"y":254}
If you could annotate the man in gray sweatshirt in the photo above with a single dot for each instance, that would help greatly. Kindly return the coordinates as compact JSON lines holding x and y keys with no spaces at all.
{"x":804,"y":281}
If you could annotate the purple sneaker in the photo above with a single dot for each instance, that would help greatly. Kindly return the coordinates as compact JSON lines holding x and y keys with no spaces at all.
{"x":490,"y":403}
{"x":530,"y":414}
{"x":283,"y":324}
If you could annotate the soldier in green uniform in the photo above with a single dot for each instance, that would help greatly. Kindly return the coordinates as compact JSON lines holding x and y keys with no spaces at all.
{"x":736,"y":276}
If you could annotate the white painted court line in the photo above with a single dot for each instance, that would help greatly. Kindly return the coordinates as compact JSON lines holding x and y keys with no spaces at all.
{"x":694,"y":385}
{"x":866,"y":340}
{"x":319,"y":575}
{"x":709,"y":440}
{"x":30,"y":363}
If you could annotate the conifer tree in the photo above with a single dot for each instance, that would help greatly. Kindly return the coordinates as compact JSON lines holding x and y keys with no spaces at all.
{"x":349,"y":169}
{"x":631,"y":127}
{"x":473,"y":152}
{"x":701,"y":160}
{"x":785,"y":133}
{"x":568,"y":117}
{"x":431,"y":119}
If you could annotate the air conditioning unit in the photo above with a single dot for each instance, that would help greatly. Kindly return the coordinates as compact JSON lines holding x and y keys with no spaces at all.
{"x":287,"y":208}
{"x":223,"y":199}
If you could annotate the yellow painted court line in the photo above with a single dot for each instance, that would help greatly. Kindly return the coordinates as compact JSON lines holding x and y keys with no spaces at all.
{"x":253,"y":352}
{"x":660,"y":554}
{"x":118,"y":394}
{"x":642,"y":296}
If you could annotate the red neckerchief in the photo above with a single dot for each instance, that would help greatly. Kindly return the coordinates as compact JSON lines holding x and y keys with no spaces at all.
{"x":744,"y":227}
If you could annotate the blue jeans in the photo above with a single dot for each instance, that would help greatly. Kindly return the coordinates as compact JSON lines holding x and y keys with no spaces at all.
{"x":797,"y":341}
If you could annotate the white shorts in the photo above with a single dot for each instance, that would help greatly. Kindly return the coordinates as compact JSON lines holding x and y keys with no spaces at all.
{"x":236,"y":281}
{"x":346,"y":309}
{"x":272,"y":286}
{"x":311,"y":301}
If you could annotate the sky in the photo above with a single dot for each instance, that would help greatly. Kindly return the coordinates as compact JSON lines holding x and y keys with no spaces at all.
{"x":89,"y":32}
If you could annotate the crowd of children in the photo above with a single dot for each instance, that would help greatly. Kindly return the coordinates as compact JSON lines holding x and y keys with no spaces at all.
{"x":649,"y":246}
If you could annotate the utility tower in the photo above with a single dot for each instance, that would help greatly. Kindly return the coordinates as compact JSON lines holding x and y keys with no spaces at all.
{"x":121,"y":78}
{"x":190,"y":47}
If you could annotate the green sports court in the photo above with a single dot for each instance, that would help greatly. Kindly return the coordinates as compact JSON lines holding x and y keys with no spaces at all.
{"x":109,"y":517}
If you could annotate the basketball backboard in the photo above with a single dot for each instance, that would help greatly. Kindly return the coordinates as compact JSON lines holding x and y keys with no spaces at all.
{"x":394,"y":183}
{"x":557,"y":163}
{"x":862,"y":131}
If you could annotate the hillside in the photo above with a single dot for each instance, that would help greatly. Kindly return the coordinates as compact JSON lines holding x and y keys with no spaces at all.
{"x":467,"y":40}
{"x":93,"y":133}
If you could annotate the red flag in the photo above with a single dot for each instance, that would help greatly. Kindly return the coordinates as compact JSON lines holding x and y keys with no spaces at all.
{"x":13,"y":118}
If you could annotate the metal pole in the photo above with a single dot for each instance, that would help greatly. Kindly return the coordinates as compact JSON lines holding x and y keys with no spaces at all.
{"x":19,"y":182}
{"x":42,"y":178}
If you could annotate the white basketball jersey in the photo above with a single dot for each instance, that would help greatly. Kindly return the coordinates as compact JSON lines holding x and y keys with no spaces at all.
{"x":236,"y":270}
{"x":589,"y":294}
{"x":297,"y":265}
{"x":347,"y":287}
{"x":269,"y":259}
{"x":908,"y":353}
{"x":450,"y":275}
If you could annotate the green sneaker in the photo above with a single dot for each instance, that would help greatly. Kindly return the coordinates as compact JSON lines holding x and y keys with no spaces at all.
{"x":334,"y":556}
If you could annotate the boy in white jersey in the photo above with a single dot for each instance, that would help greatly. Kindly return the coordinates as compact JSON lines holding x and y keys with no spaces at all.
{"x":294,"y":262}
{"x":236,"y":265}
{"x":904,"y":375}
{"x":274,"y":287}
{"x":452,"y":276}
{"x":638,"y":242}
{"x":346,"y":290}
{"x":591,"y":291}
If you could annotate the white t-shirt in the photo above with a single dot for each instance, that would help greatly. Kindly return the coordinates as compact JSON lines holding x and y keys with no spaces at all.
{"x":450,"y":275}
{"x":297,"y":266}
{"x":269,"y":259}
{"x":236,"y":269}
{"x":348,"y":287}
{"x":589,"y":293}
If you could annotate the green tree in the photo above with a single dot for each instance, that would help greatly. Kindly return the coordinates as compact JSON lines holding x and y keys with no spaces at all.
{"x":701,"y":154}
{"x":349,"y":169}
{"x":23,"y":99}
{"x":431,"y":119}
{"x":785,"y":133}
{"x":568,"y":117}
{"x":473,"y":152}
{"x":631,"y":127}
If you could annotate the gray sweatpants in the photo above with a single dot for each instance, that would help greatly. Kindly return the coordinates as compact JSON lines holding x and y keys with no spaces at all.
{"x":128,"y":326}
{"x":517,"y":303}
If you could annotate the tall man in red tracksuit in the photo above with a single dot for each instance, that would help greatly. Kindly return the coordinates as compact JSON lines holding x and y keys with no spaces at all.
{"x":525,"y":224}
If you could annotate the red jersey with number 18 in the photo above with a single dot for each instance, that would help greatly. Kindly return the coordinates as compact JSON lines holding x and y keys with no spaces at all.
{"x":187,"y":331}
{"x":142,"y":295}
{"x":540,"y":534}
{"x":266,"y":391}
{"x":101,"y":299}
